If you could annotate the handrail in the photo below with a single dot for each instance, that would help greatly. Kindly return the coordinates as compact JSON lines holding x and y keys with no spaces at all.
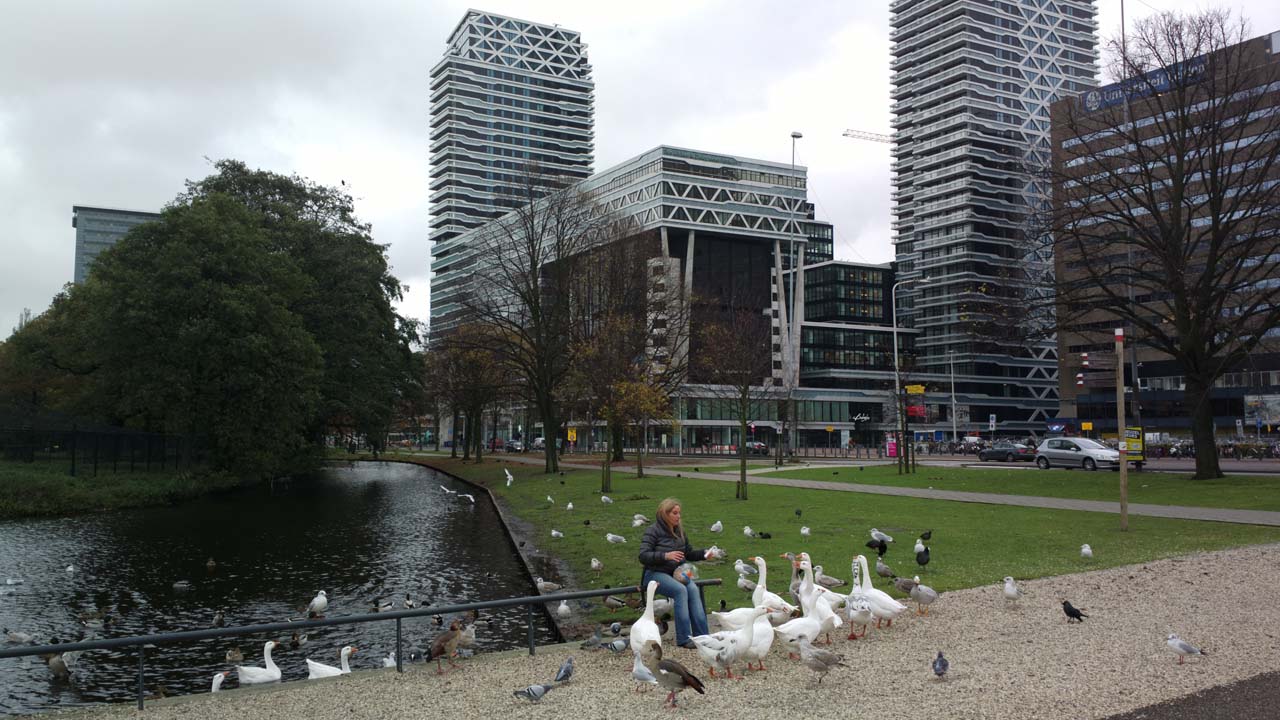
{"x":142,"y":641}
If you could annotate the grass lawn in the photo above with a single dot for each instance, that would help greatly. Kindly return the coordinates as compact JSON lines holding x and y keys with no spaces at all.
{"x":29,"y":489}
{"x":972,"y":544}
{"x":1247,"y":492}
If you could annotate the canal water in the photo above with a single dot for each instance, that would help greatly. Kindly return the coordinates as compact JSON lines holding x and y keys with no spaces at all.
{"x":366,"y":534}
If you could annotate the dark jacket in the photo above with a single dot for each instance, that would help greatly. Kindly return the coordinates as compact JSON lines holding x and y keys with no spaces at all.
{"x":658,"y":541}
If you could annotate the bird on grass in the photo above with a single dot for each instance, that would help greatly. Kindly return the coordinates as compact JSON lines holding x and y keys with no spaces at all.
{"x":1072,"y":612}
{"x":606,"y":499}
{"x":1183,"y":648}
{"x":743,"y":568}
{"x":614,"y":604}
{"x":922,"y":553}
{"x":596,"y":566}
{"x":883,"y":569}
{"x":569,"y":506}
{"x":509,"y":478}
{"x":556,"y":533}
{"x":615,"y":539}
{"x":804,"y":531}
{"x":566,"y":670}
{"x":798,"y":513}
{"x":746,"y":530}
{"x":940,"y":666}
{"x":553,"y":502}
{"x":1086,"y":552}
{"x":533,"y":693}
{"x":927,"y":535}
{"x":879,"y":546}
{"x":877,"y":535}
{"x":717,"y":526}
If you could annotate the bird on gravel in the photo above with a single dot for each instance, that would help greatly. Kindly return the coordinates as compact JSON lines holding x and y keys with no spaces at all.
{"x":1086,"y":552}
{"x":566,"y":670}
{"x":819,"y":661}
{"x":675,"y":678}
{"x":641,"y":673}
{"x":444,"y":645}
{"x":533,"y":693}
{"x":1183,"y":648}
{"x":1073,"y":613}
{"x":545,"y":586}
{"x":1011,"y":591}
{"x":923,"y":595}
{"x":593,"y":642}
{"x":618,"y":645}
{"x":940,"y":666}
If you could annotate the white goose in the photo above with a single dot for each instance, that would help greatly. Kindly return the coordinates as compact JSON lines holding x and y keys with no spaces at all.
{"x":254,"y":675}
{"x":761,"y":642}
{"x":857,"y":609}
{"x":317,"y":671}
{"x":729,"y":647}
{"x":821,"y":610}
{"x":217,"y":681}
{"x":780,"y":609}
{"x":809,"y":592}
{"x":646,"y":629}
{"x":883,"y":607}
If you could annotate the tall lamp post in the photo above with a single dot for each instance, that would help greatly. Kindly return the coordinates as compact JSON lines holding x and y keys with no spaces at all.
{"x":897,"y":368}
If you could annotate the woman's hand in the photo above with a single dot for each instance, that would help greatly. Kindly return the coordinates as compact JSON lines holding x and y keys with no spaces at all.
{"x":675,"y":556}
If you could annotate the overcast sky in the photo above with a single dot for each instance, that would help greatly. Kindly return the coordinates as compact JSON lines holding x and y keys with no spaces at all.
{"x":117,"y":103}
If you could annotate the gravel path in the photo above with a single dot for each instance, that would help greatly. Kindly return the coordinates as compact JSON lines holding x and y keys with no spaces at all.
{"x":1007,"y":661}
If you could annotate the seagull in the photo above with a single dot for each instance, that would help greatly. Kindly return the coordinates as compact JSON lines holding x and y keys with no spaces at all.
{"x":746,"y":530}
{"x":390,"y":660}
{"x":804,"y":531}
{"x":743,"y":568}
{"x":637,"y":522}
{"x":717,"y":527}
{"x":642,"y":674}
{"x":1073,"y":612}
{"x":597,"y":566}
{"x":745,"y":584}
{"x":1011,"y":591}
{"x":1183,"y":648}
{"x":71,"y":568}
{"x":564,"y":611}
{"x":468,"y":496}
{"x":1086,"y":552}
{"x":17,"y":636}
{"x":614,"y":538}
{"x":566,"y":670}
{"x":318,"y":605}
{"x":553,"y":502}
{"x":556,"y":534}
{"x":819,"y":661}
{"x":606,"y":499}
{"x":545,"y":586}
{"x":509,"y":478}
{"x":877,"y":535}
{"x":569,"y":506}
{"x":824,"y":580}
{"x":533,"y":693}
{"x":940,"y":665}
{"x":640,"y":517}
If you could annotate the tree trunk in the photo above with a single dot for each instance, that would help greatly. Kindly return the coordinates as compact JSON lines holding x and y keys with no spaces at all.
{"x":453,"y":446}
{"x":606,"y":467}
{"x":616,"y":433}
{"x":742,"y":457}
{"x":467,"y":440}
{"x":640,"y":446}
{"x":479,"y":433}
{"x":1198,"y":399}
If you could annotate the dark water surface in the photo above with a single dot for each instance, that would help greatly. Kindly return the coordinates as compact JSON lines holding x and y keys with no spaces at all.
{"x":365,"y":534}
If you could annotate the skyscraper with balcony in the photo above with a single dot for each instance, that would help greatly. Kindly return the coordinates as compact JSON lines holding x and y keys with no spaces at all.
{"x":508,"y":96}
{"x":972,"y":84}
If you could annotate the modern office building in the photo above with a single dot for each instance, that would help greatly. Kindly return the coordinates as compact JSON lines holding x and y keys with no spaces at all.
{"x":98,"y":229}
{"x":1231,"y":100}
{"x":972,"y":84}
{"x":510,"y":100}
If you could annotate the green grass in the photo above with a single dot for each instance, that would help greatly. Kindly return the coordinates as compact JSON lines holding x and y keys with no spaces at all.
{"x":35,"y":489}
{"x":973,"y":544}
{"x":1246,"y":492}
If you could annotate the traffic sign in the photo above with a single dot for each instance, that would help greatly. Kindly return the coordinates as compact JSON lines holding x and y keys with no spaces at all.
{"x":572,"y":434}
{"x":830,"y":428}
{"x":991,"y":421}
{"x":1086,"y":425}
{"x":915,"y":389}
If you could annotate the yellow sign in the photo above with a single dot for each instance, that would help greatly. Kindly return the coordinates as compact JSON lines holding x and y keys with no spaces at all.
{"x":1086,"y":426}
{"x":915,"y":389}
{"x":830,"y":428}
{"x":573,"y":434}
{"x":1134,"y":445}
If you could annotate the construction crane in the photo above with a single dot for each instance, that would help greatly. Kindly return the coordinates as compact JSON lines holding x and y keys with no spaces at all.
{"x":873,"y":137}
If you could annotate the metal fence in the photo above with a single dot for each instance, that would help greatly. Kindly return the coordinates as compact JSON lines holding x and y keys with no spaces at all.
{"x":89,"y":452}
{"x":143,"y":641}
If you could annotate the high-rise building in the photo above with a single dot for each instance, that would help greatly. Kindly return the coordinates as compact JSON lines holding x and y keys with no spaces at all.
{"x":972,"y":85}
{"x":509,"y":96}
{"x":98,"y":229}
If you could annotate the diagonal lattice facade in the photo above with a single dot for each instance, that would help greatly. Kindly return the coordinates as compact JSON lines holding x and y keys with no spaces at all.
{"x":972,"y":85}
{"x":507,"y":95}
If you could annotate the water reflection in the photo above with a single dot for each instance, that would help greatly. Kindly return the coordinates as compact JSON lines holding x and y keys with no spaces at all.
{"x":366,"y":534}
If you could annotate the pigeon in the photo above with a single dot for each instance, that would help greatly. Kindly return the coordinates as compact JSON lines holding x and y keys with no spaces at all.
{"x":804,"y":531}
{"x":940,"y":665}
{"x":922,"y":555}
{"x":545,"y":586}
{"x":318,"y":605}
{"x":882,"y":569}
{"x":1011,"y":591}
{"x":556,"y":534}
{"x":569,"y":506}
{"x":743,"y":568}
{"x":593,"y":642}
{"x":927,"y":535}
{"x":1183,"y":648}
{"x":618,"y":645}
{"x":566,"y":670}
{"x":606,"y":499}
{"x":717,"y":526}
{"x":746,"y":530}
{"x":533,"y":693}
{"x":564,"y":611}
{"x":880,"y":547}
{"x":819,"y":661}
{"x":877,"y":535}
{"x":553,"y":502}
{"x":616,"y":628}
{"x":509,"y":478}
{"x":1086,"y":552}
{"x":596,"y":566}
{"x":614,"y":538}
{"x":1073,"y":613}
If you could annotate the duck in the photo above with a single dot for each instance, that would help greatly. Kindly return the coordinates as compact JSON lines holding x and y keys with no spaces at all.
{"x":217,"y":681}
{"x":297,"y":640}
{"x":445,"y":645}
{"x":234,"y":656}
{"x":61,"y":664}
{"x":883,"y":607}
{"x":409,"y":602}
{"x":254,"y":675}
{"x":17,"y":636}
{"x":646,"y":628}
{"x":728,"y":647}
{"x":675,"y":678}
{"x":613,"y":603}
{"x":385,"y":606}
{"x":317,"y":671}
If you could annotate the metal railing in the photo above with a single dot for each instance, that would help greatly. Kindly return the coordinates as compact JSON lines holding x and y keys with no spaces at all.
{"x":142,"y":641}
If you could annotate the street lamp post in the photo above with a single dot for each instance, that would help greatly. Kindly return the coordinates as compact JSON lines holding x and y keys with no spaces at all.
{"x":897,"y":369}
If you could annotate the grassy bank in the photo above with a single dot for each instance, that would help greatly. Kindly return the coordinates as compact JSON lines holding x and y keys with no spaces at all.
{"x":972,"y":544}
{"x":36,"y":489}
{"x":1246,"y":492}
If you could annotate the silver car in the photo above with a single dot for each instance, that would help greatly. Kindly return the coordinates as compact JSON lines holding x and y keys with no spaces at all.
{"x":1076,"y":453}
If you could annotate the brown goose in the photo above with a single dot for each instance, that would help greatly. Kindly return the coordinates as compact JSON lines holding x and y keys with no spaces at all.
{"x":675,"y":678}
{"x":445,"y":645}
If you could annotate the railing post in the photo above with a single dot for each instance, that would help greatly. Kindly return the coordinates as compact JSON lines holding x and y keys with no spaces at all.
{"x":530,"y":617}
{"x":142,"y":653}
{"x":399,"y":649}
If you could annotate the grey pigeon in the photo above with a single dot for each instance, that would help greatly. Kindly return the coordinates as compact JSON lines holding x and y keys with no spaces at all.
{"x":566,"y":671}
{"x":615,"y":628}
{"x":940,"y":665}
{"x":618,"y":645}
{"x":533,"y":693}
{"x":593,"y":642}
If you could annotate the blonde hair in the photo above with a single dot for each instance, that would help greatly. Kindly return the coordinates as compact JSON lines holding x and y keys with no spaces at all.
{"x":664,"y":513}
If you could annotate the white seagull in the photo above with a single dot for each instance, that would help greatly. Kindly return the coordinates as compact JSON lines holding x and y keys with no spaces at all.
{"x":564,"y":611}
{"x":877,"y":535}
{"x":614,"y":538}
{"x":1086,"y":552}
{"x":569,"y":506}
{"x":804,"y":531}
{"x":640,"y":517}
{"x":1011,"y":591}
{"x":746,"y":530}
{"x":1183,"y":648}
{"x":553,"y":502}
{"x":319,"y":604}
{"x":717,"y":527}
{"x":606,"y":499}
{"x":637,"y":522}
{"x":596,"y":565}
{"x":556,"y":534}
{"x":509,"y":478}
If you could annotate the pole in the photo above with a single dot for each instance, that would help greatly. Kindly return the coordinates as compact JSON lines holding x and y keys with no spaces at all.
{"x":954,"y":435}
{"x":897,"y":373}
{"x":1120,"y":432}
{"x":793,"y":332}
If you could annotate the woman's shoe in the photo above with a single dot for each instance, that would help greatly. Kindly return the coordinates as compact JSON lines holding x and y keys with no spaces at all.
{"x":689,"y":645}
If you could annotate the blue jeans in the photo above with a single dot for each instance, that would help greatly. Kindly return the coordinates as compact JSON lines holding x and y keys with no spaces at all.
{"x":691,"y":617}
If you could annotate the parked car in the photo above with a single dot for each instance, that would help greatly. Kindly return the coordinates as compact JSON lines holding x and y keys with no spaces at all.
{"x":1076,"y":452}
{"x":1008,"y":452}
{"x":515,"y":446}
{"x":755,"y":447}
{"x":538,"y":444}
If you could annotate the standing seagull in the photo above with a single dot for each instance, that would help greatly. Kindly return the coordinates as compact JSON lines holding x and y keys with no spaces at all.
{"x":615,"y":539}
{"x":566,"y":671}
{"x":318,"y":605}
{"x":804,"y":531}
{"x":596,"y":566}
{"x":556,"y":533}
{"x":569,"y":506}
{"x":1011,"y":591}
{"x":1073,"y":613}
{"x":882,"y":569}
{"x":1183,"y":648}
{"x":533,"y":693}
{"x":1086,"y":552}
{"x":940,"y":666}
